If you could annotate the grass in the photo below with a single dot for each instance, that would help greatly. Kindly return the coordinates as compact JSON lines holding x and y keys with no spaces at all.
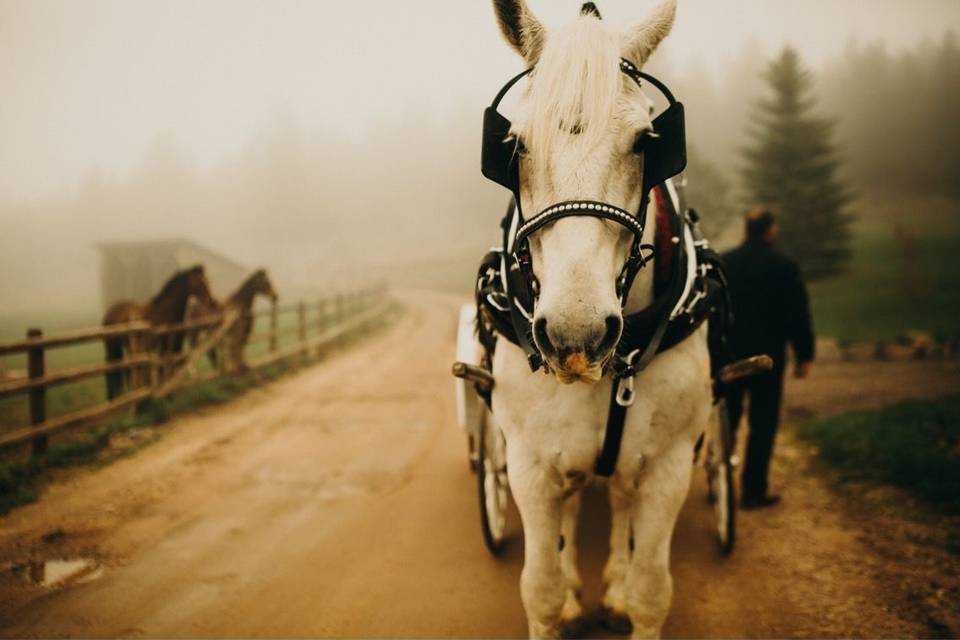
{"x":914,"y":446}
{"x":889,"y":290}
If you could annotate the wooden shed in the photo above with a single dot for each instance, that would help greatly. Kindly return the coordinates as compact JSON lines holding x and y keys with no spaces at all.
{"x":137,"y":270}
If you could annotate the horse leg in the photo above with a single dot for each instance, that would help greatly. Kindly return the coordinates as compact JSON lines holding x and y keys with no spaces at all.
{"x":571,"y":617}
{"x":538,"y":492}
{"x":114,"y":352}
{"x":659,"y":495}
{"x":614,"y":614}
{"x":236,"y":356}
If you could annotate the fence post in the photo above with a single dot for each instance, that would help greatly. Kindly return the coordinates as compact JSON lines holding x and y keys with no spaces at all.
{"x":321,"y":319}
{"x":302,"y":326}
{"x":273,"y":326}
{"x":38,"y":395}
{"x":152,"y":370}
{"x":138,"y":345}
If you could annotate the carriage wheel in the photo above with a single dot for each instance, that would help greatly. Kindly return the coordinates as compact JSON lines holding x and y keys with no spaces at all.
{"x":720,"y":485}
{"x":492,"y":484}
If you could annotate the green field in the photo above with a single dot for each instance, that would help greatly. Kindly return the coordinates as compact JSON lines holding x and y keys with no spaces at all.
{"x":895,"y":282}
{"x":913,"y":446}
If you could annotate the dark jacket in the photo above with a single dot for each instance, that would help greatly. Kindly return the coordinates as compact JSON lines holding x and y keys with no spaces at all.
{"x":770,"y":305}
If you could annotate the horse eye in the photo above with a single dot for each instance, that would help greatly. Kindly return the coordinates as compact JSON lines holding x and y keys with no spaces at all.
{"x":643,"y":139}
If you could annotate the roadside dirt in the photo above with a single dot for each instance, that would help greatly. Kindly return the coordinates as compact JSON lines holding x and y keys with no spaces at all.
{"x":337,"y":502}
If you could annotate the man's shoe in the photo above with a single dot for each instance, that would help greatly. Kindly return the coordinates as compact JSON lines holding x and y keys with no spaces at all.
{"x":761,"y":502}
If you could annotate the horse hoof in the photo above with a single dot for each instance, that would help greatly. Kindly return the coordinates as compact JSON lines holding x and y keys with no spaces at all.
{"x":575,"y":628}
{"x":615,"y":621}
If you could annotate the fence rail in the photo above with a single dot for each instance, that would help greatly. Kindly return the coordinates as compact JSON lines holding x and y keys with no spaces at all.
{"x":156,"y":374}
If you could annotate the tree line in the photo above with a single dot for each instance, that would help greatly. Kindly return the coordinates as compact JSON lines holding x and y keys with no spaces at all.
{"x":298,"y":198}
{"x":773,"y":133}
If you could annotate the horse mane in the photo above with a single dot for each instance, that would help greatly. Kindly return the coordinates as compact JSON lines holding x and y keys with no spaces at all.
{"x":573,"y":90}
{"x":173,"y":282}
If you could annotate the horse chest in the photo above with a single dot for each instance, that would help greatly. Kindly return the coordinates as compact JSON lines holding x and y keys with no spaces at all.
{"x":563,"y":426}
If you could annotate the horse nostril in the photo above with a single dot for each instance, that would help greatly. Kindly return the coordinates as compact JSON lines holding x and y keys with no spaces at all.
{"x":614,"y":325}
{"x":541,"y":336}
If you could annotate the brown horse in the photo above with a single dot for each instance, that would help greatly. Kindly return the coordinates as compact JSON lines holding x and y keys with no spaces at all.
{"x":167,"y":307}
{"x":258,"y":283}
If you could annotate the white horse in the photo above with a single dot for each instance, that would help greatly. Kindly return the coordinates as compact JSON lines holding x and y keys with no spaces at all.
{"x":554,"y":425}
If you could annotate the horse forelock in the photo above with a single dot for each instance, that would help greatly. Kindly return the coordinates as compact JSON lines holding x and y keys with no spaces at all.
{"x":574,"y":90}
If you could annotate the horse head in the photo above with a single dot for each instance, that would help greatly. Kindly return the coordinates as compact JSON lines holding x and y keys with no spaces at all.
{"x":197,"y":286}
{"x":581,"y":139}
{"x":263,"y":286}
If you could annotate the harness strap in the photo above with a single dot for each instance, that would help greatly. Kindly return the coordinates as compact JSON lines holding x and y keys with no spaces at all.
{"x":621,"y":397}
{"x":516,"y":290}
{"x":522,"y":325}
{"x":607,"y":460}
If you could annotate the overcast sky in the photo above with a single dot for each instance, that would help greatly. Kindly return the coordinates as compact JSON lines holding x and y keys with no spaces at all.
{"x":90,"y":84}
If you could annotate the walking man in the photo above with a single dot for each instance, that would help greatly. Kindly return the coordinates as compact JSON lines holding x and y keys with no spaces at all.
{"x":771,"y":309}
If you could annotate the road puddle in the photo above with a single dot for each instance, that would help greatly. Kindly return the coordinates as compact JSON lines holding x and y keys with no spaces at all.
{"x":53,"y":574}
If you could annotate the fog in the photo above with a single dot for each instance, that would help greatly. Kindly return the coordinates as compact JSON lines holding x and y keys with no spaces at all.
{"x":313,"y":137}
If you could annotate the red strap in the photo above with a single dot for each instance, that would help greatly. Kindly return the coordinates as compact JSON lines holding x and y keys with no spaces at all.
{"x":666,"y":250}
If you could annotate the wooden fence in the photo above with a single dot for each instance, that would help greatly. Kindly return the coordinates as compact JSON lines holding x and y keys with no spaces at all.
{"x":156,"y":372}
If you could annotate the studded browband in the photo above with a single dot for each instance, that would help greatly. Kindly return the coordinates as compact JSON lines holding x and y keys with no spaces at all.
{"x":585,"y":208}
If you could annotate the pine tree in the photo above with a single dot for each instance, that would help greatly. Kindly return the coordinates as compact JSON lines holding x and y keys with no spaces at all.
{"x":791,"y":167}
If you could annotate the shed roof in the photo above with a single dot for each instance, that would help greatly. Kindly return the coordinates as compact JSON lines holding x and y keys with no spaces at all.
{"x":165,"y":244}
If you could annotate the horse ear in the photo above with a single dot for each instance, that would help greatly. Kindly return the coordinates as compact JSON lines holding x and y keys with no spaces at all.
{"x":640,"y":42}
{"x":590,"y":9}
{"x":521,"y":28}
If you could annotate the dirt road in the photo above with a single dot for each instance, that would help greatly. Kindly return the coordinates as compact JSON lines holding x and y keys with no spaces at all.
{"x":337,"y":502}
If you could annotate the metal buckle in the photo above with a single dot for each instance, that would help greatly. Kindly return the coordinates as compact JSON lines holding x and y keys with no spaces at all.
{"x":625,"y":394}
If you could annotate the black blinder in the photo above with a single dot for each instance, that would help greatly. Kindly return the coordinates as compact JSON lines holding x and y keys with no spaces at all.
{"x":499,"y":157}
{"x":665,"y":155}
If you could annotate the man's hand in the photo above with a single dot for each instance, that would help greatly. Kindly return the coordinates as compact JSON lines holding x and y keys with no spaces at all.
{"x":801,"y":370}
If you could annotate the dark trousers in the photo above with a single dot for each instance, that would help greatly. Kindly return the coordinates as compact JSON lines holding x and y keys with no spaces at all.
{"x":765,"y":391}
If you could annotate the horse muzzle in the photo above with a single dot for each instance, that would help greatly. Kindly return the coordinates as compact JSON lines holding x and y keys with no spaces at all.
{"x":577,"y":354}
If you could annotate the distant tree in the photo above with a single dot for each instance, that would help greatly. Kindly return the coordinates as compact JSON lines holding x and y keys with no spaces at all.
{"x":914,"y":92}
{"x":791,"y":166}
